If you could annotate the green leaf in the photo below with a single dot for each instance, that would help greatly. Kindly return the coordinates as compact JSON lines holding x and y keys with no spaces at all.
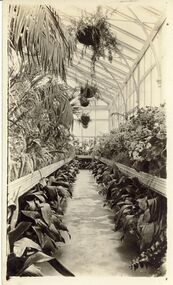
{"x":49,"y":245}
{"x":32,"y":270}
{"x":128,"y":220}
{"x":51,"y":192}
{"x":37,"y":257}
{"x":146,"y":217}
{"x":147,"y":233}
{"x":142,"y":203}
{"x":31,"y":214}
{"x":62,"y":192}
{"x":58,"y":224}
{"x":20,"y":229}
{"x":40,"y":235}
{"x":60,"y":268}
{"x":46,"y":212}
{"x":32,"y":205}
{"x":56,"y":234}
{"x":22,"y":244}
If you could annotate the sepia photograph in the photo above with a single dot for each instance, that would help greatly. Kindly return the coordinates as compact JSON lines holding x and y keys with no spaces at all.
{"x":85,"y":132}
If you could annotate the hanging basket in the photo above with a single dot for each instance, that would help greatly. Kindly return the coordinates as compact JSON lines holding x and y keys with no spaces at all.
{"x":84,"y":126}
{"x":88,"y":91}
{"x":95,"y":31}
{"x":85,"y":119}
{"x":89,"y":36}
{"x":84,"y":101}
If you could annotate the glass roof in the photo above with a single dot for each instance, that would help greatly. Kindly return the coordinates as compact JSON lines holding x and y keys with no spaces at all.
{"x":132,"y":25}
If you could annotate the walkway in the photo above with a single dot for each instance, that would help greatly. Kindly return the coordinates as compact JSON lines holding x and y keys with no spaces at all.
{"x":94,"y":249}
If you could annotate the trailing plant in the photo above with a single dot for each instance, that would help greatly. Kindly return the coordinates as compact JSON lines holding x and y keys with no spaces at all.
{"x":94,"y":30}
{"x":139,"y":213}
{"x":37,"y":233}
{"x":139,"y":143}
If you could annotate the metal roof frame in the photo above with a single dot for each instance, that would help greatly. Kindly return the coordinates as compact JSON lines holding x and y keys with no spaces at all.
{"x":123,"y":65}
{"x":114,"y":27}
{"x":83,"y":80}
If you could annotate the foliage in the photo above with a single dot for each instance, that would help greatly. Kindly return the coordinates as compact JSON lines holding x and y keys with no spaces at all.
{"x":139,"y":143}
{"x":84,"y":120}
{"x":39,"y":121}
{"x":87,"y":92}
{"x":85,"y":147}
{"x":37,"y":34}
{"x":94,"y":30}
{"x":139,"y":213}
{"x":37,"y":233}
{"x":39,"y":111}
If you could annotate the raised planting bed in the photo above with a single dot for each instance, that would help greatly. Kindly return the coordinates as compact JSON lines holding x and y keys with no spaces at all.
{"x":156,"y":184}
{"x":35,"y":220}
{"x":140,"y":214}
{"x":84,"y":161}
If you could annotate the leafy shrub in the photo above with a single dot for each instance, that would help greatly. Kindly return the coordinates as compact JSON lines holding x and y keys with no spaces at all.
{"x":139,"y":143}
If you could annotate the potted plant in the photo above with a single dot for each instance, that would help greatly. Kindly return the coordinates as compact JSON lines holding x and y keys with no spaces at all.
{"x":94,"y":31}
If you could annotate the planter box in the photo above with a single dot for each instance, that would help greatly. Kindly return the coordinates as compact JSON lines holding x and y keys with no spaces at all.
{"x":84,"y":156}
{"x":22,"y":185}
{"x":156,"y":184}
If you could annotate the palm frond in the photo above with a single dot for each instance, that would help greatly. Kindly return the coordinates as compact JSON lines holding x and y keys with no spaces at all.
{"x":37,"y":33}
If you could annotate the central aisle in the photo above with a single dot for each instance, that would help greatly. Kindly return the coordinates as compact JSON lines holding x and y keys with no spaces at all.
{"x":94,"y":249}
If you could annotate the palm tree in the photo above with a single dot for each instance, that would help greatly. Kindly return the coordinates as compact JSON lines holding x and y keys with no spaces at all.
{"x":42,"y":48}
{"x":36,"y":33}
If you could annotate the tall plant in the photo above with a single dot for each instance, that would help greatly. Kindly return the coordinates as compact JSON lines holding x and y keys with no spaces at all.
{"x":39,"y":112}
{"x":38,"y":36}
{"x":140,"y":143}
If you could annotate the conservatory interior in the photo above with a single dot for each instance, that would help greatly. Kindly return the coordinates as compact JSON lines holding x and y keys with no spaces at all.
{"x":86,"y":140}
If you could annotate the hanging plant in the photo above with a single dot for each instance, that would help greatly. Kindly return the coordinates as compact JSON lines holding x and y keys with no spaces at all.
{"x":87,"y":92}
{"x":84,"y":120}
{"x":94,"y":31}
{"x":84,"y":101}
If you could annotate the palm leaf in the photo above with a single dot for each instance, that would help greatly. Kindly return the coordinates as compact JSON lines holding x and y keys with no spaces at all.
{"x":36,"y":31}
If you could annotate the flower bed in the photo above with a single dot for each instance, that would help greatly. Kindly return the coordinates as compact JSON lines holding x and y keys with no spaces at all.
{"x":36,"y":236}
